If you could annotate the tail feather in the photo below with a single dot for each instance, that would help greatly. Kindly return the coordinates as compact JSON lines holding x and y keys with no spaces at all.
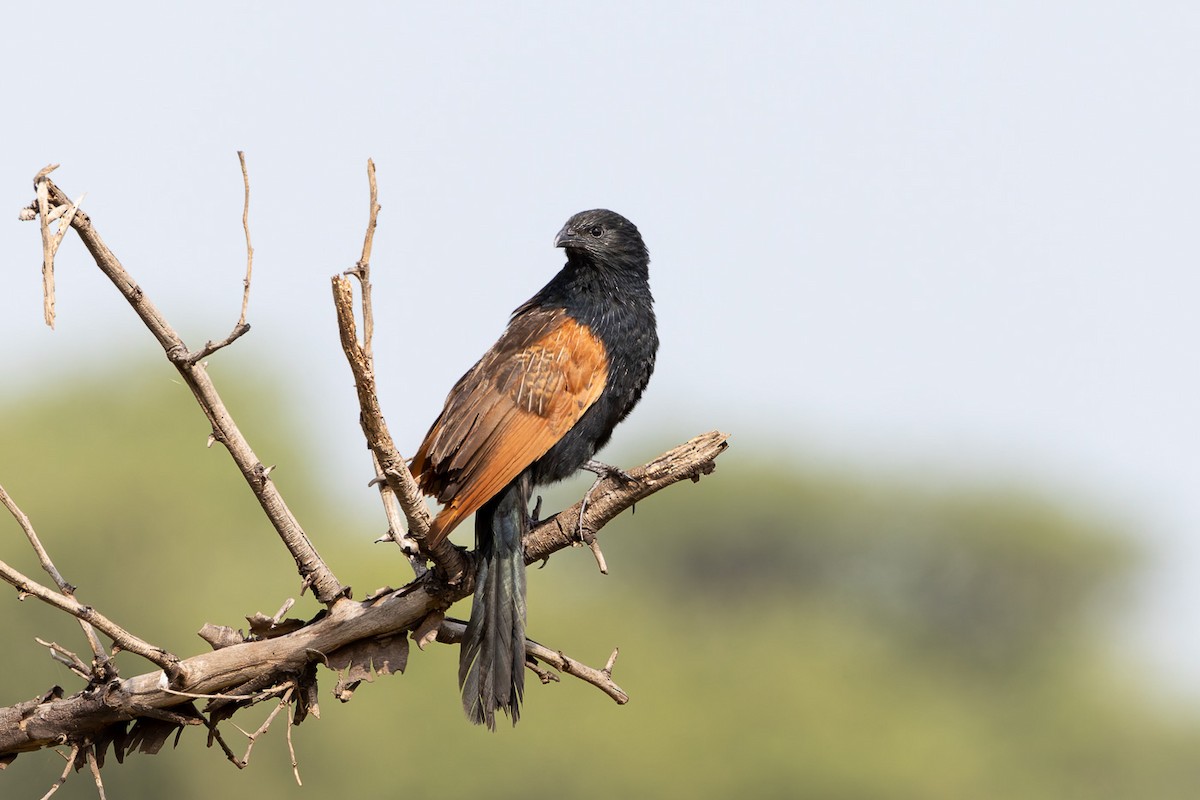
{"x":491,"y":664}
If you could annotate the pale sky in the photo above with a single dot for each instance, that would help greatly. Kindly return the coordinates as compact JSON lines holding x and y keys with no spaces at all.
{"x":929,"y":238}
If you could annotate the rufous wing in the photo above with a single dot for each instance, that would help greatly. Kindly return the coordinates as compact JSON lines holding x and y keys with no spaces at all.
{"x":508,"y":411}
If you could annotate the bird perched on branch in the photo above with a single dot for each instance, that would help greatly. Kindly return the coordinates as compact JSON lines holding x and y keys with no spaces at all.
{"x":572,"y":363}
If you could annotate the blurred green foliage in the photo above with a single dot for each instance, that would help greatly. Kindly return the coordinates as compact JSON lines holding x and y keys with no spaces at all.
{"x":783,"y":632}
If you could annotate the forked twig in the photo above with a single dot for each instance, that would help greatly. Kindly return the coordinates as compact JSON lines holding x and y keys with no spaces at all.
{"x":65,"y":773}
{"x":313,"y":569}
{"x":390,"y":466}
{"x":452,"y":630}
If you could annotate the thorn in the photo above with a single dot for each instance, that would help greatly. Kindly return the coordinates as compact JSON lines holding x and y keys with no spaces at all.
{"x":608,"y":666}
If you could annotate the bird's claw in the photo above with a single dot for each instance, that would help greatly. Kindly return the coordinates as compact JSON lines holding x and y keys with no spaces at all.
{"x":602,"y":471}
{"x":536,"y":516}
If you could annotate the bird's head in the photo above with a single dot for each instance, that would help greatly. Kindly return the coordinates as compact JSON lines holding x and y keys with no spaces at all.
{"x":605,"y":235}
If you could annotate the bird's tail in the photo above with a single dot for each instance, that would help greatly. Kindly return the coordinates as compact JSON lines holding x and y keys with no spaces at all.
{"x":491,"y":663}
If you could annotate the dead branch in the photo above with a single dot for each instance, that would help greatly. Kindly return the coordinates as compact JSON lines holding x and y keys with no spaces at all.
{"x":64,"y":599}
{"x":312,"y":568}
{"x":249,"y":248}
{"x":452,"y":630}
{"x":36,"y":724}
{"x":67,"y":589}
{"x":362,"y":364}
{"x":285,"y":653}
{"x":389,"y":464}
{"x":121,"y":637}
{"x":689,"y":460}
{"x":65,"y":773}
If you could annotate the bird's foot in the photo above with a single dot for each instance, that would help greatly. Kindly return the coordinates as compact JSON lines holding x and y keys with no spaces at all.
{"x":601,"y":471}
{"x":536,"y":516}
{"x":607,"y":471}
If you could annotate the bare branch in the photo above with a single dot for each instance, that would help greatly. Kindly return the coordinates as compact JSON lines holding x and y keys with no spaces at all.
{"x":65,"y":773}
{"x":389,"y":463}
{"x":264,"y":661}
{"x":242,"y":326}
{"x":95,"y":768}
{"x":452,"y":630}
{"x":253,"y":737}
{"x":689,"y":460}
{"x":249,"y":248}
{"x":101,"y":658}
{"x":447,"y":559}
{"x":362,"y":270}
{"x":27,"y":526}
{"x":51,"y":242}
{"x":43,"y":205}
{"x":65,"y":657}
{"x":311,"y":566}
{"x":121,"y":637}
{"x":211,"y":347}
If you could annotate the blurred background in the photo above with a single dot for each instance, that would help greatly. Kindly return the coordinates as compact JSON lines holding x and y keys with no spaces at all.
{"x":933,"y":266}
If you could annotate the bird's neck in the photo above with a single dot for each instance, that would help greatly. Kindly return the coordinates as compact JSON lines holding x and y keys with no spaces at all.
{"x":583,"y":275}
{"x":607,"y":298}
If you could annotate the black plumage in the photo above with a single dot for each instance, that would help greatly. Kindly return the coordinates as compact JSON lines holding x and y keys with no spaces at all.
{"x":572,"y":363}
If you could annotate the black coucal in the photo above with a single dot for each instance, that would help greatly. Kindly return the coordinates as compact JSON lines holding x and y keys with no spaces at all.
{"x":572,"y":363}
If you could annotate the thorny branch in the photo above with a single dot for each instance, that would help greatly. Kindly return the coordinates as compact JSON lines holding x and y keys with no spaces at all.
{"x":48,"y":565}
{"x":64,"y":599}
{"x":448,"y":560}
{"x":282,"y":657}
{"x":452,"y":630}
{"x":312,"y":567}
{"x":362,"y":365}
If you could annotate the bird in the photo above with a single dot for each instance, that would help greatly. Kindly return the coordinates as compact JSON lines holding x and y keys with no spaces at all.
{"x":571,"y":364}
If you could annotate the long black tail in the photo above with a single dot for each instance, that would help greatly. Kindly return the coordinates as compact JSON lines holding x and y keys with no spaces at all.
{"x":491,"y":663}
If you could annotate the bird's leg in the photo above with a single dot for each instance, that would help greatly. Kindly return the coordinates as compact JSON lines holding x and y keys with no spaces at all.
{"x":601,"y":471}
{"x":536,"y":516}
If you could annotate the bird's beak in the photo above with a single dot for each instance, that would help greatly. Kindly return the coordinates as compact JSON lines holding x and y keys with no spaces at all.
{"x":564,"y":237}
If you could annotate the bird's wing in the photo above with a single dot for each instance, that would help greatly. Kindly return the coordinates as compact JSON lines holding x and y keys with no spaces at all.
{"x":508,"y":411}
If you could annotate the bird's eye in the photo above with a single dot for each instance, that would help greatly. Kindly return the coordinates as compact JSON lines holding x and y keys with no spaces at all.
{"x":596,"y":231}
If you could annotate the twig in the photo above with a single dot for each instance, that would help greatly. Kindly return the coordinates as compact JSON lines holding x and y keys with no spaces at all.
{"x":43,"y":204}
{"x":242,"y":326}
{"x":32,"y":725}
{"x":64,"y":656}
{"x":51,"y":242}
{"x":95,"y":768}
{"x":27,"y":526}
{"x":249,"y":247}
{"x":689,"y":460}
{"x":215,"y":734}
{"x":101,"y":658}
{"x":211,"y":347}
{"x":65,"y":773}
{"x":253,"y":737}
{"x":238,"y":698}
{"x":379,"y":439}
{"x":451,"y":632}
{"x":389,"y":464}
{"x":362,"y":270}
{"x":292,"y":753}
{"x":312,"y":568}
{"x":121,"y":637}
